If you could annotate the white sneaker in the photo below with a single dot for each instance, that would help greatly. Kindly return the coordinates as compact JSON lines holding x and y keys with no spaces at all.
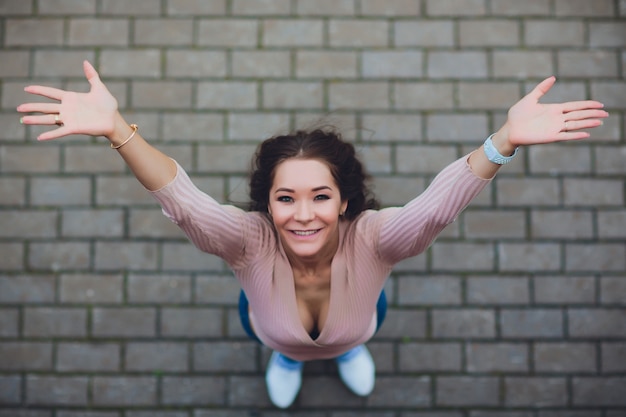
{"x":284,"y":379}
{"x":357,"y":370}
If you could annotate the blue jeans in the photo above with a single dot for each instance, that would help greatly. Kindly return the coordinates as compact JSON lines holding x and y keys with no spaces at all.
{"x":381,"y":312}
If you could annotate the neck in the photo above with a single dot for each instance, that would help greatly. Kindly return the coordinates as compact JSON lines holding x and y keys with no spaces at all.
{"x":309,"y":267}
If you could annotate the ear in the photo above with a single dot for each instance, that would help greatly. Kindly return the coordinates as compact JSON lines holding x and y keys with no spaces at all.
{"x":342,"y":209}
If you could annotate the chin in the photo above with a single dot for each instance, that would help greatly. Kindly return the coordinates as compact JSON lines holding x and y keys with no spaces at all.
{"x":304,"y":253}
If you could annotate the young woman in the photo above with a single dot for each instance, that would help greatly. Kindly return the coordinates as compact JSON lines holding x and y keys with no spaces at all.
{"x":312,"y":254}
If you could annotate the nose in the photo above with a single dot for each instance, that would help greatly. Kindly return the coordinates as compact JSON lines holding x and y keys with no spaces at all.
{"x":304,"y":212}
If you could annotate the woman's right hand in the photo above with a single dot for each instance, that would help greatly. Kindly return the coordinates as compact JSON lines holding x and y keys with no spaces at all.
{"x":93,"y":113}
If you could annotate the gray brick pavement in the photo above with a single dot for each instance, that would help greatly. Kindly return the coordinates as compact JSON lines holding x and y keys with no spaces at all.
{"x":518,"y":310}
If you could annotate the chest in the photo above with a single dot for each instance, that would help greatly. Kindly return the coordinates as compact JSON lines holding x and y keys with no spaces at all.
{"x":313,"y":299}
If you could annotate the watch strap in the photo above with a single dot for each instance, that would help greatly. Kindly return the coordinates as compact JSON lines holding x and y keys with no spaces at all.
{"x":494,"y":155}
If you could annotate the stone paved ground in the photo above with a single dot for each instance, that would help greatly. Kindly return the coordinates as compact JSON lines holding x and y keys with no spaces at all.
{"x":518,"y":310}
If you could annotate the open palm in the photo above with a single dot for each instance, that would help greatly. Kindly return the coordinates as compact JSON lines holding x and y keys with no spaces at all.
{"x":530,"y":122}
{"x":91,"y":113}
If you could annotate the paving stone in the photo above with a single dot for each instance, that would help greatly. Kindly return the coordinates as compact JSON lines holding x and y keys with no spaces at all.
{"x":531,"y":323}
{"x":463,"y":323}
{"x":196,"y":8}
{"x":326,"y":64}
{"x":55,"y":390}
{"x":124,"y":322}
{"x":27,"y":289}
{"x":355,"y":33}
{"x":86,"y":288}
{"x":517,"y":309}
{"x":564,"y":290}
{"x":545,"y":392}
{"x":124,"y":390}
{"x":596,"y":322}
{"x":10,"y":389}
{"x":55,"y":322}
{"x":467,"y":391}
{"x":159,"y":289}
{"x":553,"y":33}
{"x":497,"y":357}
{"x":429,"y":357}
{"x":612,"y":290}
{"x":488,"y":32}
{"x":602,"y":257}
{"x":453,"y":7}
{"x":252,"y":7}
{"x":99,"y":31}
{"x":424,"y":32}
{"x":170,"y":32}
{"x":33,"y":32}
{"x":156,"y":356}
{"x":404,"y":392}
{"x":191,"y":322}
{"x":194,"y":390}
{"x":88,"y":357}
{"x":224,"y":356}
{"x":565,"y":357}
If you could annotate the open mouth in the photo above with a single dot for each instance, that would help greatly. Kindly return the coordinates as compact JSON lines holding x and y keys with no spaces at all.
{"x":305,"y":232}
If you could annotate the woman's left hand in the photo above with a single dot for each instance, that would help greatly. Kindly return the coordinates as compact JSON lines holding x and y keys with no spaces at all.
{"x":530,"y":122}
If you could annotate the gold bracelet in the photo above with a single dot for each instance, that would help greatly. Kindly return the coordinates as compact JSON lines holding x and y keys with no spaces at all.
{"x":135,"y":129}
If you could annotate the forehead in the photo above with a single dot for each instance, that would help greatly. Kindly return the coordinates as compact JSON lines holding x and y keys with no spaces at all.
{"x":299,"y":173}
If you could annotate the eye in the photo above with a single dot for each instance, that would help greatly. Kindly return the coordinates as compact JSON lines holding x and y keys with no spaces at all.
{"x":284,"y":199}
{"x":322,"y":197}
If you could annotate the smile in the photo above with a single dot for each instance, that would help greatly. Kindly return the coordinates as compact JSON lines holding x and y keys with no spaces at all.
{"x":305,"y":232}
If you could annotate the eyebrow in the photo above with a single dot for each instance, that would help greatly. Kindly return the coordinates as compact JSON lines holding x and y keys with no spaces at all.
{"x":289,"y":190}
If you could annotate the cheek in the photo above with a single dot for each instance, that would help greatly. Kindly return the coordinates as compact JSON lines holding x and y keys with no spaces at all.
{"x":278,"y":214}
{"x":331,"y":215}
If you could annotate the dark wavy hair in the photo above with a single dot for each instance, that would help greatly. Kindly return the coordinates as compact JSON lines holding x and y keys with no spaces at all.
{"x":321,"y":144}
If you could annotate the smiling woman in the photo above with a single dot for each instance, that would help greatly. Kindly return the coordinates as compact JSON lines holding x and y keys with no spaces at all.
{"x":326,"y":146}
{"x":313,"y":252}
{"x":305,"y":207}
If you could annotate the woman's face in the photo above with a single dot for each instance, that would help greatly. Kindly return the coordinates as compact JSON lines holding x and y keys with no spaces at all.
{"x":305,"y":205}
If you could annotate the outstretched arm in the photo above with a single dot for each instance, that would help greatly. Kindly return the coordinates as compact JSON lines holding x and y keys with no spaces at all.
{"x":96,"y":114}
{"x":530,"y":122}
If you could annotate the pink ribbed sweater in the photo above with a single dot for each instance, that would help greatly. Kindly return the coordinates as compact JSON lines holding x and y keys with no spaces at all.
{"x":369,"y":246}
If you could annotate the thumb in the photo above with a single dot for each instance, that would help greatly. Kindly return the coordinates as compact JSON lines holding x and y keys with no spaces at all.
{"x":542,"y":88}
{"x":91,"y":73}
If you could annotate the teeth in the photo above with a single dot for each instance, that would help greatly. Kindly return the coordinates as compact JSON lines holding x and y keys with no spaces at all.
{"x":305,"y":233}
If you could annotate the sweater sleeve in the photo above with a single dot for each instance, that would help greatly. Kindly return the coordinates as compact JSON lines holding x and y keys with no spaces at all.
{"x":222,"y":230}
{"x":409,"y":230}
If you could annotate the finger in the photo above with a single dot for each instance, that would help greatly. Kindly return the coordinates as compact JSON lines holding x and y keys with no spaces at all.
{"x":46,"y":119}
{"x":581,"y":105}
{"x":41,"y":90}
{"x":564,"y":136}
{"x":91,"y":73}
{"x":54,"y":134}
{"x":38,"y":108}
{"x":574,"y":125}
{"x":586,"y":114}
{"x":542,"y":88}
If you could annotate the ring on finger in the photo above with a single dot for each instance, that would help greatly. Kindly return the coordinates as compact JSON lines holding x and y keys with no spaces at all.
{"x":565,"y":129}
{"x":57,"y":120}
